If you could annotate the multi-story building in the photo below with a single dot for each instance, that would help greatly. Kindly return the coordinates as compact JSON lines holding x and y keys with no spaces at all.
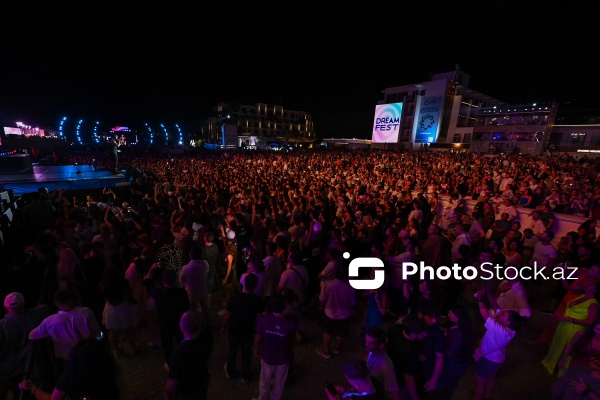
{"x":262,"y":121}
{"x":457,"y":115}
{"x":469,"y":120}
{"x":514,"y":128}
{"x":442,"y":113}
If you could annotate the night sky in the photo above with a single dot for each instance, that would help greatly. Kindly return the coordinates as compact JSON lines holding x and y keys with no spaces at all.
{"x":172,"y":65}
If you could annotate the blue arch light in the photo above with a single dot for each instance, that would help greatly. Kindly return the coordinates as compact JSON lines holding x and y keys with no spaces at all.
{"x":166,"y":133}
{"x":61,"y":133}
{"x":77,"y":130}
{"x":150,"y":132}
{"x":180,"y":134}
{"x":96,"y":139}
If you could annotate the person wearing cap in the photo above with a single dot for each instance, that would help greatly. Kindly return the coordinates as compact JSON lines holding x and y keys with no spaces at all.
{"x":14,"y":341}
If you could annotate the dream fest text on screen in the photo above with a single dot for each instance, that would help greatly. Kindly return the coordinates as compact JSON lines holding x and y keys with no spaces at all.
{"x":386,"y":125}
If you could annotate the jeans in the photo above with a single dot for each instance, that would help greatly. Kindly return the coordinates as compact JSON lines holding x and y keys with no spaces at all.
{"x":279,"y":374}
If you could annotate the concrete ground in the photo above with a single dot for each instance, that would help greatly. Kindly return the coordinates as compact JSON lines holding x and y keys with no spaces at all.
{"x":522,"y":376}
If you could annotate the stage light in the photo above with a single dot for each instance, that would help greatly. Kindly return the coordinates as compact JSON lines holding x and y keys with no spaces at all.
{"x":150,"y":132}
{"x":60,"y":127}
{"x":96,"y":132}
{"x":180,"y":134}
{"x":166,"y":133}
{"x":77,"y":130}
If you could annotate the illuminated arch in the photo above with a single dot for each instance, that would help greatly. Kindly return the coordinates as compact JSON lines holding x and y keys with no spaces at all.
{"x":96,"y":139}
{"x":149,"y":129}
{"x":180,"y":134}
{"x":61,"y":124}
{"x":166,"y":133}
{"x":77,"y":130}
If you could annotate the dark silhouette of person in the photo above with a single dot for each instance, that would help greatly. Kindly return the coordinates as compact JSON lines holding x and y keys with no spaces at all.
{"x":114,"y":153}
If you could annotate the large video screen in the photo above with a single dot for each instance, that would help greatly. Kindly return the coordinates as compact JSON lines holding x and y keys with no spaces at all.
{"x":12,"y":131}
{"x":427,"y":124}
{"x":386,"y":125}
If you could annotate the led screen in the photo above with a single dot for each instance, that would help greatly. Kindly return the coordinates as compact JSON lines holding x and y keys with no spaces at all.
{"x":386,"y":125}
{"x":427,"y":123}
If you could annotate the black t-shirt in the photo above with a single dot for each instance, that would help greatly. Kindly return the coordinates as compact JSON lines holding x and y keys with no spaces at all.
{"x":171,"y":303}
{"x":403,"y":353}
{"x":242,"y":233}
{"x":211,"y":255}
{"x":433,"y":342}
{"x":189,"y":364}
{"x":244,"y":307}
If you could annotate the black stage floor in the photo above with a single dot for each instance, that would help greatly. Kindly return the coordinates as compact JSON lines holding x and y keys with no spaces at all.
{"x":66,"y":177}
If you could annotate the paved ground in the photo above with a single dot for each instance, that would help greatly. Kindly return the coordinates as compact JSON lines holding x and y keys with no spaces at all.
{"x":522,"y":376}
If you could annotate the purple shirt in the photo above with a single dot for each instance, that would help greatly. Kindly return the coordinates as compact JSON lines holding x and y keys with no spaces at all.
{"x":277,"y":334}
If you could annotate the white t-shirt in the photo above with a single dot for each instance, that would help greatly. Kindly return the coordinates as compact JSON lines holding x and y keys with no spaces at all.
{"x":495,"y":340}
{"x":542,"y":253}
{"x":295,"y":281}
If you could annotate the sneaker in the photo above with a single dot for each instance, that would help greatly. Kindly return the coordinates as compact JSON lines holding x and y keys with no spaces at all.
{"x":324,"y":355}
{"x":227,"y":375}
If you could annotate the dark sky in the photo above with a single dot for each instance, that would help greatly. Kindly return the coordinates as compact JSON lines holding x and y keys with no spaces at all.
{"x":174,"y":65}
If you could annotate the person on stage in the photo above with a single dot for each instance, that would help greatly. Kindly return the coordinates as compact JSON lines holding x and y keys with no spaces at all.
{"x":114,"y":143}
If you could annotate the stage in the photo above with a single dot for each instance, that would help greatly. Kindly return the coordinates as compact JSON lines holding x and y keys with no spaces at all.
{"x":66,"y":177}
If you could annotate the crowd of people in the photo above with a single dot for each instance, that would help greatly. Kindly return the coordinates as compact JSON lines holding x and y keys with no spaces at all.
{"x":274,"y":233}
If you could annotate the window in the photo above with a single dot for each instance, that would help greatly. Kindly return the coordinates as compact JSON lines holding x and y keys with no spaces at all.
{"x":457,"y":138}
{"x":578,"y":139}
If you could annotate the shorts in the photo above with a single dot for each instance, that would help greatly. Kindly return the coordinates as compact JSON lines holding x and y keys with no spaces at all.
{"x":486,"y":368}
{"x":337,"y":327}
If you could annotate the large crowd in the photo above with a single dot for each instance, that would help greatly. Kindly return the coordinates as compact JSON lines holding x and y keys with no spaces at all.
{"x":274,"y":233}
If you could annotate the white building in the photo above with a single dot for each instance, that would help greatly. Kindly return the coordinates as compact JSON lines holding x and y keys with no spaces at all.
{"x":444,"y":113}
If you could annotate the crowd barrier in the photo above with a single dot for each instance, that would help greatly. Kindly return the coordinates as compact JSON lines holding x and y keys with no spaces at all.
{"x":563,"y":223}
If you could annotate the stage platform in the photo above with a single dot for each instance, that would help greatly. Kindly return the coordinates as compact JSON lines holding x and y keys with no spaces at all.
{"x":66,"y":177}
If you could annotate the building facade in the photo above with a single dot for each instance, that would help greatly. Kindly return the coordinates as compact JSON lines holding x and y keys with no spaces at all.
{"x":460,"y":106}
{"x":470,"y":120}
{"x":270,"y":122}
